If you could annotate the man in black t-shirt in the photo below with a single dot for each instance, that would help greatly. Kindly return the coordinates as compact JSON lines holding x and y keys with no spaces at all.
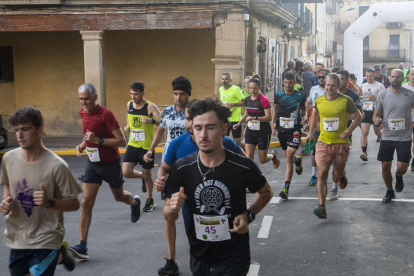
{"x":213,"y":181}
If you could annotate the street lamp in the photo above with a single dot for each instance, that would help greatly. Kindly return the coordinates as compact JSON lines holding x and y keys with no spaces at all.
{"x":350,"y":9}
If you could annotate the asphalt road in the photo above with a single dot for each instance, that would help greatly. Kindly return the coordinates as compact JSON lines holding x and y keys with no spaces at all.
{"x":361,"y":236}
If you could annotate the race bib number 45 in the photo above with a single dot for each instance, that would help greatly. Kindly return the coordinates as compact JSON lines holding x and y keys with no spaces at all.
{"x":396,"y":124}
{"x":212,"y":228}
{"x":331,"y":124}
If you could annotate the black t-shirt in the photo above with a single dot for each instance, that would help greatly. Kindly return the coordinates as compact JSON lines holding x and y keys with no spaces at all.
{"x":257,"y":108}
{"x":355,"y":97}
{"x":289,"y":107}
{"x":222,"y":193}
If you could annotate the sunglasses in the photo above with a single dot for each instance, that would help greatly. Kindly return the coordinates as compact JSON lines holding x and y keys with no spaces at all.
{"x":321,"y":77}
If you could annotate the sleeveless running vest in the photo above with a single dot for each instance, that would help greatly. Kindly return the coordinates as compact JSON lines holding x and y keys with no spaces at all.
{"x":134,"y":122}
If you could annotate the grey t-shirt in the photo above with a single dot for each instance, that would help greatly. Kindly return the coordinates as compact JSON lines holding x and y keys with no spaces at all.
{"x":395,"y":106}
{"x":307,"y":77}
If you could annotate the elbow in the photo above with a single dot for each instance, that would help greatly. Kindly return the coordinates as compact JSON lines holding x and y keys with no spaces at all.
{"x":122,"y":143}
{"x":75,"y":205}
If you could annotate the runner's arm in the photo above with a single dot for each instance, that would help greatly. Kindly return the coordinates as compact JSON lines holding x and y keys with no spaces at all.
{"x":126,"y":129}
{"x":162,"y":175}
{"x":239,"y":104}
{"x":267,"y":117}
{"x":155,"y":113}
{"x":309,"y":105}
{"x":7,"y":201}
{"x":118,"y":141}
{"x":242,"y":120}
{"x":314,"y":120}
{"x":360,"y":91}
{"x":376,"y":117}
{"x":157,"y":138}
{"x":264,"y":195}
{"x":356,"y":122}
{"x":275,"y":110}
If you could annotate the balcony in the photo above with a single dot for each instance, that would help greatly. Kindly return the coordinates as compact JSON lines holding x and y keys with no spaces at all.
{"x":330,"y":48}
{"x":385,"y":55}
{"x":303,"y":25}
{"x":331,"y":7}
{"x":311,"y":48}
{"x":342,"y":26}
{"x":277,"y":11}
{"x":394,"y":25}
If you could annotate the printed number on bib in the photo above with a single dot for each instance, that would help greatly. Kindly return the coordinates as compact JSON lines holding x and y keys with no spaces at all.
{"x":396,"y":124}
{"x":254,"y":125}
{"x":212,"y":228}
{"x":93,"y":154}
{"x":286,"y":122}
{"x":331,"y":124}
{"x":369,"y":106}
{"x":138,"y":134}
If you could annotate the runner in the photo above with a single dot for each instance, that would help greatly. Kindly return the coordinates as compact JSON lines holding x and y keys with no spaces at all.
{"x":410,"y":85}
{"x":308,"y":78}
{"x":401,"y":67}
{"x":172,"y":117}
{"x":315,"y":92}
{"x":38,"y":187}
{"x":103,"y":136}
{"x":180,"y":148}
{"x":289,"y":112}
{"x":379,"y":77}
{"x":213,"y":181}
{"x":384,"y":70}
{"x":258,"y":131}
{"x":246,"y":92}
{"x":333,"y":111}
{"x":370,"y":91}
{"x":395,"y":103}
{"x":141,"y":117}
{"x":232,"y":96}
{"x":344,"y":76}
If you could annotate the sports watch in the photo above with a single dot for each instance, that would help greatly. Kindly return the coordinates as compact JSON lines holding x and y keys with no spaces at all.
{"x":153,"y":121}
{"x":51,"y":203}
{"x":250,"y":215}
{"x":100,"y":141}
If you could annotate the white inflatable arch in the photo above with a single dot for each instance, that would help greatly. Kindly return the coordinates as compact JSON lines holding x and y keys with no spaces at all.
{"x":363,"y":26}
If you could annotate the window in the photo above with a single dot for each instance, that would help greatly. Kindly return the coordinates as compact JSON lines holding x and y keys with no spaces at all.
{"x":6,"y":64}
{"x":394,"y":46}
{"x":292,"y":52}
{"x":362,"y":10}
{"x":365,"y":47}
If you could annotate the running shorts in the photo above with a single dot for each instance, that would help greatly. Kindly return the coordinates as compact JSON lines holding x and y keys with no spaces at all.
{"x":261,"y":140}
{"x":199,"y":268}
{"x":289,"y":139}
{"x":236,"y":133}
{"x":39,"y":262}
{"x":368,"y":118}
{"x":111,"y":172}
{"x":136,"y":155}
{"x":331,"y":153}
{"x":387,"y":149}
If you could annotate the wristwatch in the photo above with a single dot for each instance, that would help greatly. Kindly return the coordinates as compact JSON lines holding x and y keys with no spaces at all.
{"x":250,"y":215}
{"x":51,"y":203}
{"x":153,"y":121}
{"x":100,"y":141}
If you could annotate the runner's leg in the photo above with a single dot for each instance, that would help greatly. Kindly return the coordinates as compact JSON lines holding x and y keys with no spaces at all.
{"x":321,"y":187}
{"x":290,"y":156}
{"x":121,"y":195}
{"x":149,"y":183}
{"x":129,"y":172}
{"x":364,"y":135}
{"x":250,"y":151}
{"x":90,"y":190}
{"x":170,"y":233}
{"x":387,"y":175}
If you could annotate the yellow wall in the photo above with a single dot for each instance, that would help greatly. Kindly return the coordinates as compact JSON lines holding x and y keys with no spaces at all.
{"x":49,"y":69}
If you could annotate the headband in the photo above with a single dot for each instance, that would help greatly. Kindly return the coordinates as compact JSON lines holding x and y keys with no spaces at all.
{"x":182,"y":87}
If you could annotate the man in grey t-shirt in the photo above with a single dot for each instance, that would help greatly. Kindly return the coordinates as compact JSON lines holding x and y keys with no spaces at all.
{"x":395,"y":103}
{"x":308,"y":78}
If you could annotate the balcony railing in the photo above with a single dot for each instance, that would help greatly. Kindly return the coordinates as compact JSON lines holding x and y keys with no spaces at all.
{"x":330,"y":48}
{"x":311,"y":48}
{"x":394,"y":25}
{"x":386,"y":55}
{"x":331,"y":7}
{"x":341,"y":26}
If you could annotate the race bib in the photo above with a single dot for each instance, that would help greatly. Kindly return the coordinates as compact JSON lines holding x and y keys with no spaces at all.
{"x":331,"y":124}
{"x":368,"y":106}
{"x":138,"y":135}
{"x":396,"y":124}
{"x":286,"y":122}
{"x":253,"y":125}
{"x":212,"y":228}
{"x":93,"y":154}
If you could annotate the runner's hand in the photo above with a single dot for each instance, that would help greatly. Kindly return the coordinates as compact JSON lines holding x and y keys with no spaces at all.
{"x":308,"y":138}
{"x":240,"y":224}
{"x":80,"y":148}
{"x":146,"y":120}
{"x":236,"y":126}
{"x":159,"y":184}
{"x":274,"y":132}
{"x":370,"y":97}
{"x":229,"y":105}
{"x":346,"y":134}
{"x":91,"y":137}
{"x":126,"y":129}
{"x":40,"y":197}
{"x":377,"y":121}
{"x":6,"y":205}
{"x":351,"y":116}
{"x":249,"y":118}
{"x":177,"y":201}
{"x":304,"y":120}
{"x":147,"y":156}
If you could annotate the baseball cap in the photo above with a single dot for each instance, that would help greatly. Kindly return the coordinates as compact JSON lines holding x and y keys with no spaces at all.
{"x":323,"y":72}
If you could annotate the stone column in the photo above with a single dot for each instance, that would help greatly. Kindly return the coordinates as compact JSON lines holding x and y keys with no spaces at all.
{"x":93,"y":48}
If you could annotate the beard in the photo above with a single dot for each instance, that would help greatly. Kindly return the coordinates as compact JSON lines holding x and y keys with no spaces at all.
{"x":396,"y":85}
{"x":207,"y":150}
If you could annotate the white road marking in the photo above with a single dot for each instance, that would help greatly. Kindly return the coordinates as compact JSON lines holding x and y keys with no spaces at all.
{"x":253,"y":270}
{"x":265,"y":228}
{"x":277,"y":199}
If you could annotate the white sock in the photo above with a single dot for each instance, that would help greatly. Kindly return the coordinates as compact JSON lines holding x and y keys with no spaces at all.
{"x":315,"y":171}
{"x":334,"y":186}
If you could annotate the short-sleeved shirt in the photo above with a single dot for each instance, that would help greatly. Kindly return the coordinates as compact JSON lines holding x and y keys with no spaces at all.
{"x":245,"y":93}
{"x":315,"y":92}
{"x":407,"y":85}
{"x":381,"y":79}
{"x":308,"y":81}
{"x":257,"y":108}
{"x":184,"y":146}
{"x":395,"y":106}
{"x":340,"y":108}
{"x":371,"y":89}
{"x":29,"y":226}
{"x":232,"y":95}
{"x":289,"y":107}
{"x":102,"y":122}
{"x":223,"y":193}
{"x":355,"y":97}
{"x":174,"y":123}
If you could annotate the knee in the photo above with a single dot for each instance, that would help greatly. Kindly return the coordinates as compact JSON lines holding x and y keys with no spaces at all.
{"x":289,"y":158}
{"x":127,"y":172}
{"x":263,"y":160}
{"x":365,"y":133}
{"x":147,"y":174}
{"x":87,"y":204}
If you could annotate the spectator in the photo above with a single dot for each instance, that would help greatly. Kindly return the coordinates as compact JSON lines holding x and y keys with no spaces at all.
{"x":308,"y":78}
{"x":384,"y":70}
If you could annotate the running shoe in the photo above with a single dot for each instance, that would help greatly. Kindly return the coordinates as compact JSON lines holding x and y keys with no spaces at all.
{"x":399,"y":183}
{"x":149,"y":205}
{"x":170,"y":268}
{"x":68,"y":260}
{"x":144,"y":188}
{"x":378,"y":138}
{"x":320,"y":212}
{"x":364,"y":156}
{"x":275,"y":162}
{"x":303,"y":153}
{"x":79,"y":252}
{"x":313,"y":181}
{"x":390,"y":195}
{"x":136,"y":209}
{"x":334,"y":195}
{"x":298,"y":163}
{"x":284,"y":194}
{"x":343,"y":181}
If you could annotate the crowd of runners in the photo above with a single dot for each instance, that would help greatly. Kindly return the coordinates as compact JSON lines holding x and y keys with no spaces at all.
{"x":206,"y":167}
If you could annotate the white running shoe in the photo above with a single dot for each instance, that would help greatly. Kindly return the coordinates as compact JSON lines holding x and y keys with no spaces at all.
{"x":334,"y":195}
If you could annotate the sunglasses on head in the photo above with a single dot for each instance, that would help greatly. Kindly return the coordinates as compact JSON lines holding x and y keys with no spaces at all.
{"x":321,"y":77}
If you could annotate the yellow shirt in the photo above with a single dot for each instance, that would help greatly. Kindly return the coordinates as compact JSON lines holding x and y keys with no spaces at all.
{"x":232,"y":95}
{"x":332,"y":110}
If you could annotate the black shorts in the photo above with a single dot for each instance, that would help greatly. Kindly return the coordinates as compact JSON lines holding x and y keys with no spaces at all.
{"x":291,"y":139}
{"x":136,"y":155}
{"x":387,"y":148}
{"x":23,"y":261}
{"x":111,"y":172}
{"x":199,"y":268}
{"x":261,"y":140}
{"x":236,"y":133}
{"x":368,"y":118}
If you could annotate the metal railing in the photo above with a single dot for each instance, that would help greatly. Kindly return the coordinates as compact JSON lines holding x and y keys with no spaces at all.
{"x":331,"y":7}
{"x":311,"y":48}
{"x":330,"y":48}
{"x":386,"y":55}
{"x":394,"y":25}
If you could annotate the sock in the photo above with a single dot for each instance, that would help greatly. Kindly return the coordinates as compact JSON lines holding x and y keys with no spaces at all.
{"x":315,"y":171}
{"x":287,"y":184}
{"x":83,"y":243}
{"x":364,"y":149}
{"x":334,"y":186}
{"x":274,"y":157}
